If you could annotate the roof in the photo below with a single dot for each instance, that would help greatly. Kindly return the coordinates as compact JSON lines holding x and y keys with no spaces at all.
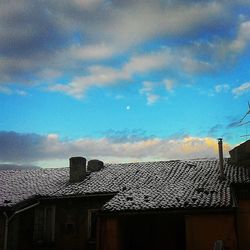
{"x":17,"y":186}
{"x":136,"y":186}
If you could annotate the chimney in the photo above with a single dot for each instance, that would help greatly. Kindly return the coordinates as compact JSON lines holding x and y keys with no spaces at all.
{"x":221,"y":159}
{"x":95,"y":165}
{"x":77,"y":169}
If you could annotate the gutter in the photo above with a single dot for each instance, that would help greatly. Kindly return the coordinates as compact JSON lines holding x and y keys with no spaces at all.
{"x":8,"y":220}
{"x":184,"y":211}
{"x":87,"y":195}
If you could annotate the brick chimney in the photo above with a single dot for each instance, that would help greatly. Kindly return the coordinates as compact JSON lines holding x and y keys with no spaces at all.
{"x":95,"y":165}
{"x":77,"y":169}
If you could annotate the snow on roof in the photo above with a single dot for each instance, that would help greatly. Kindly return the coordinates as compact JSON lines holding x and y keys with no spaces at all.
{"x":137,"y":186}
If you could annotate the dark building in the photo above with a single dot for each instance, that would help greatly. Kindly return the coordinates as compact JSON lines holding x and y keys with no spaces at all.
{"x":174,"y":205}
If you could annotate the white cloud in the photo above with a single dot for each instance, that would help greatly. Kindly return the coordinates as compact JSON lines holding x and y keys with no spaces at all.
{"x":221,"y":51}
{"x":50,"y":74}
{"x":66,"y":37}
{"x":86,"y":4}
{"x":37,"y":148}
{"x":242,"y":39}
{"x":149,"y":62}
{"x":221,"y":88}
{"x":8,"y":91}
{"x":100,"y":76}
{"x":5,"y":90}
{"x":147,"y":87}
{"x":52,"y":137}
{"x":139,"y":21}
{"x":149,"y":149}
{"x":105,"y":76}
{"x":242,"y":89}
{"x":60,"y":37}
{"x":119,"y":97}
{"x":216,"y":90}
{"x":21,"y":92}
{"x":169,"y":84}
{"x":148,"y":90}
{"x":90,"y":52}
{"x":152,"y":98}
{"x":192,"y":65}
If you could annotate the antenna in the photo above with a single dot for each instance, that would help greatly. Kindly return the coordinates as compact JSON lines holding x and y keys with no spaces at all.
{"x":247,"y":113}
{"x":241,"y":124}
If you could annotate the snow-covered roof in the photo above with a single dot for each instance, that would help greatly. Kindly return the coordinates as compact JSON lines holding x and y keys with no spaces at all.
{"x":136,"y":186}
{"x":17,"y":186}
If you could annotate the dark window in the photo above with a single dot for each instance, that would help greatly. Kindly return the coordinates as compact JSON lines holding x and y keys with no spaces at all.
{"x":70,"y":228}
{"x":92,"y":224}
{"x":44,"y":224}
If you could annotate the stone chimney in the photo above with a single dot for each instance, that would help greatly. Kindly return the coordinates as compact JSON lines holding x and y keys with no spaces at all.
{"x":77,"y":169}
{"x":95,"y":165}
{"x":221,"y":158}
{"x":241,"y":154}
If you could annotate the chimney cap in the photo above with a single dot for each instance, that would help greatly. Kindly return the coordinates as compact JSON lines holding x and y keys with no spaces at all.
{"x":77,"y":157}
{"x":95,"y":165}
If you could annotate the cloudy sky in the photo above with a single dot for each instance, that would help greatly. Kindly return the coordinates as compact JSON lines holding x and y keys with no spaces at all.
{"x":121,"y":81}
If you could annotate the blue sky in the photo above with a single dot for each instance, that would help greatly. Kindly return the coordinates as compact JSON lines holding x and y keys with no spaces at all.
{"x":122,"y":80}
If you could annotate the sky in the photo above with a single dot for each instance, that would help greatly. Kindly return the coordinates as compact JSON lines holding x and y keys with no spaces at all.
{"x":122,"y":81}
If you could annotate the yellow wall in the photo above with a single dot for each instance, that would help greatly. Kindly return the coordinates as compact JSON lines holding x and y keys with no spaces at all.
{"x":203,"y":230}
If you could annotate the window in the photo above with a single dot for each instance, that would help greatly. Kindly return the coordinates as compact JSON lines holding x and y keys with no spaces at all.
{"x":44,"y":224}
{"x":70,"y":225}
{"x":92,"y":223}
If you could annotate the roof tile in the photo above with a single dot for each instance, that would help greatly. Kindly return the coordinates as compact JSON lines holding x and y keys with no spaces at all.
{"x":138,"y":186}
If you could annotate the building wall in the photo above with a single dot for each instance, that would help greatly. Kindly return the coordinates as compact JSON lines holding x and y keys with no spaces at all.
{"x":202,"y":230}
{"x":172,"y":232}
{"x":243,"y":224}
{"x":2,"y":222}
{"x":70,"y":228}
{"x":129,"y":232}
{"x":142,"y":231}
{"x":19,"y":231}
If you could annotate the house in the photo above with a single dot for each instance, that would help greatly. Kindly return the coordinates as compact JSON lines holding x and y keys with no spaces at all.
{"x":193,"y":205}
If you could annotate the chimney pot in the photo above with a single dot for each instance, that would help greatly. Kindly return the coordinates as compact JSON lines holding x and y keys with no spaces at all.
{"x":95,"y":165}
{"x":77,"y":169}
{"x":221,"y":159}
